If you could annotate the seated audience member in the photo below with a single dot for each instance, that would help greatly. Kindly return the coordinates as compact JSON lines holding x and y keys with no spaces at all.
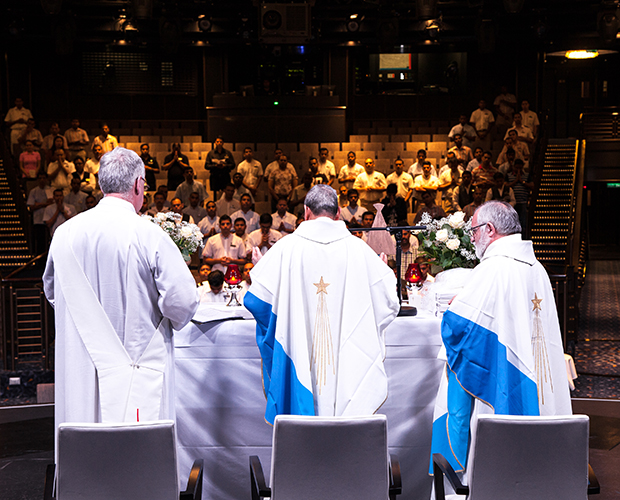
{"x":265,"y":237}
{"x":462,"y":152}
{"x":417,"y":168}
{"x":195,"y":210}
{"x":482,"y":119}
{"x":449,"y":181}
{"x":77,"y":138}
{"x":227,"y":204}
{"x":463,"y":195}
{"x":30,"y":133}
{"x":188,"y":186}
{"x":368,"y":218}
{"x":209,"y":225}
{"x":203,"y":273}
{"x":501,"y":191}
{"x":353,"y":227}
{"x":352,"y":212}
{"x":240,"y":227}
{"x":350,"y":171}
{"x":39,"y":198}
{"x":298,"y":195}
{"x":215,"y":293}
{"x":252,"y":219}
{"x":175,"y":164}
{"x":224,"y":248}
{"x":478,"y":198}
{"x":29,"y":161}
{"x":281,"y":181}
{"x":429,"y":206}
{"x":283,"y":221}
{"x":48,"y":140}
{"x":240,"y":189}
{"x":475,"y":163}
{"x":521,"y":184}
{"x":92,"y":164}
{"x":483,"y":175}
{"x":425,"y":182}
{"x":394,"y":206}
{"x":403,"y":181}
{"x":151,"y":167}
{"x":76,"y":198}
{"x":91,"y":202}
{"x":371,"y":185}
{"x":342,"y":196}
{"x":219,"y":163}
{"x":59,"y":172}
{"x":106,"y":140}
{"x":177,"y":206}
{"x":467,"y":132}
{"x":326,"y":167}
{"x":158,"y":205}
{"x":251,"y":171}
{"x":507,"y":165}
{"x":58,"y":212}
{"x":88,"y":182}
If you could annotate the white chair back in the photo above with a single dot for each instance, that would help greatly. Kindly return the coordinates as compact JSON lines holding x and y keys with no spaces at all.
{"x":519,"y":457}
{"x":329,"y":457}
{"x":117,"y":461}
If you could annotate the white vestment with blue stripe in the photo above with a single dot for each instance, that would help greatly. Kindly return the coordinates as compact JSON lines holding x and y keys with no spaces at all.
{"x":321,"y":280}
{"x":503,"y":348}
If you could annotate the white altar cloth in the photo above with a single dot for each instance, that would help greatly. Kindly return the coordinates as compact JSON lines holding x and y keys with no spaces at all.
{"x":220,"y":403}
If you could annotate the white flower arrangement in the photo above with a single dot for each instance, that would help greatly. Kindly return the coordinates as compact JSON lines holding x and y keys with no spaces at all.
{"x":186,"y":236}
{"x":446,"y":242}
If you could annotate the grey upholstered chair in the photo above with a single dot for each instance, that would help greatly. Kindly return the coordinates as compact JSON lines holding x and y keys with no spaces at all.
{"x":524,"y":458}
{"x":119,"y":461}
{"x":328,"y":457}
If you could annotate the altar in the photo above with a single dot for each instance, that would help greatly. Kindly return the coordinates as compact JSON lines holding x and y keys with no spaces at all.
{"x":220,"y":402}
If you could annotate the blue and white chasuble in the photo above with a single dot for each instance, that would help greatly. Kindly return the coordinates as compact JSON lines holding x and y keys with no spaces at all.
{"x":503,"y":348}
{"x":322,"y":300}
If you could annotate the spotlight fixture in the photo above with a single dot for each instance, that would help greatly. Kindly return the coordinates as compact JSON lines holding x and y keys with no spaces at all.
{"x":353,"y":25}
{"x":204,"y":23}
{"x":581,"y":54}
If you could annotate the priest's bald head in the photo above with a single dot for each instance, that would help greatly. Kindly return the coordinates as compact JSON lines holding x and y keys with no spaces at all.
{"x":121,"y":175}
{"x":321,"y":201}
{"x":493,"y":220}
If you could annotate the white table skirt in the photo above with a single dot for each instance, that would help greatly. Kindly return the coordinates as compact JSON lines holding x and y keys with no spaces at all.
{"x":220,"y":403}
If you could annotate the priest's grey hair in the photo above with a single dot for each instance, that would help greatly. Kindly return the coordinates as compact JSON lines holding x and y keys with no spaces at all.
{"x":118,"y":171}
{"x":322,"y":200}
{"x":504,"y":218}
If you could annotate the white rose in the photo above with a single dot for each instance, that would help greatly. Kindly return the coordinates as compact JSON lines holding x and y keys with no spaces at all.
{"x":453,"y":243}
{"x":442,"y":235}
{"x":456,"y":220}
{"x":160,"y":216}
{"x":186,"y":232}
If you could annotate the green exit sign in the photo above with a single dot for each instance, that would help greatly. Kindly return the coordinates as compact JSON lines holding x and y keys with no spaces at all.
{"x":613,"y":184}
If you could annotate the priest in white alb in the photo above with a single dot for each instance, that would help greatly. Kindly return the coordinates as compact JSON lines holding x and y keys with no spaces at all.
{"x":118,"y":285}
{"x":322,"y":300}
{"x":503,"y":347}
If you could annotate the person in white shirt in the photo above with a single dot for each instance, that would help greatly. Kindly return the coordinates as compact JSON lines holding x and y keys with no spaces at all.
{"x":215,"y":291}
{"x":265,"y":237}
{"x":352,"y":213}
{"x":326,"y":166}
{"x":92,"y":164}
{"x":16,"y":120}
{"x":462,"y":152}
{"x":48,"y":140}
{"x":465,"y":129}
{"x":524,"y":134}
{"x":283,"y":221}
{"x":482,"y":120}
{"x":209,"y":224}
{"x":188,"y":186}
{"x":59,"y":172}
{"x":158,"y":205}
{"x":176,"y":206}
{"x":239,"y":226}
{"x":240,"y":189}
{"x":252,"y":219}
{"x":530,"y":118}
{"x":403,"y":181}
{"x":76,"y":198}
{"x":227,"y":204}
{"x":449,"y":181}
{"x":251,"y":169}
{"x":107,"y":141}
{"x":196,"y":211}
{"x":371,"y":185}
{"x":224,"y":248}
{"x":417,"y":168}
{"x":350,"y":171}
{"x":475,"y":163}
{"x":425,"y":182}
{"x":39,"y":198}
{"x":58,"y":213}
{"x":76,"y":137}
{"x":203,"y":274}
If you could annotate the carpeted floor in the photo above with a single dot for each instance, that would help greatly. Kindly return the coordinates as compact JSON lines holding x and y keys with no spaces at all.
{"x":597,"y":354}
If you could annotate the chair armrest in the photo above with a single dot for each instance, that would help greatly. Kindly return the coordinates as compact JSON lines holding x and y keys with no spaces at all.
{"x":50,"y":474}
{"x":396,"y":485}
{"x":441,"y":467}
{"x":194,"y":483}
{"x":593,"y":487}
{"x":257,"y":480}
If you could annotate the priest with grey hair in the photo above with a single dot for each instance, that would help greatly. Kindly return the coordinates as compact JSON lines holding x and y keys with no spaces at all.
{"x":119,"y":285}
{"x":322,"y":300}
